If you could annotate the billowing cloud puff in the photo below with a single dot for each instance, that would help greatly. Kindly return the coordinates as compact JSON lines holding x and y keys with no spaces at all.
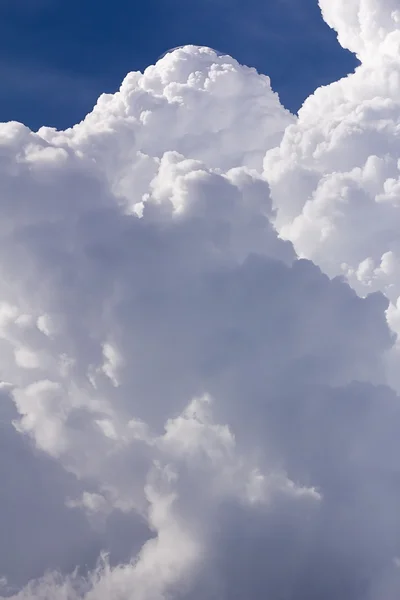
{"x":366,"y":27}
{"x":193,"y":102}
{"x":335,"y":178}
{"x":208,"y":415}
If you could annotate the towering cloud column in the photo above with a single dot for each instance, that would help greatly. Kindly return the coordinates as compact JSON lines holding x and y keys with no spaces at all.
{"x":335,"y":178}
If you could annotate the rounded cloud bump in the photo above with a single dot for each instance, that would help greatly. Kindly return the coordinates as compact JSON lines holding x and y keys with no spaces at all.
{"x":366,"y":27}
{"x":335,"y":177}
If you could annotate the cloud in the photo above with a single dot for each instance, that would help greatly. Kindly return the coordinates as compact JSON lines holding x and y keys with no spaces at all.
{"x":369,"y":28}
{"x":335,"y":177}
{"x":39,"y":531}
{"x":215,"y":411}
{"x":185,"y":107}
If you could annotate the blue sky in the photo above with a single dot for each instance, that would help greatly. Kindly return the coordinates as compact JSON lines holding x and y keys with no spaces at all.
{"x":56,"y":57}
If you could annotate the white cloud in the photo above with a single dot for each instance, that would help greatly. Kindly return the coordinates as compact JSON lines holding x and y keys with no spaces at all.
{"x":367,"y":27}
{"x":335,"y":177}
{"x":215,"y":409}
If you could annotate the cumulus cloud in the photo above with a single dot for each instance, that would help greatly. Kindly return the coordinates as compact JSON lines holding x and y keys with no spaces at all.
{"x":335,"y":178}
{"x":209,"y":414}
{"x":366,"y":27}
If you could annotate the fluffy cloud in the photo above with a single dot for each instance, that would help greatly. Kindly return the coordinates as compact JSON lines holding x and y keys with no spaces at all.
{"x":192,"y":102}
{"x":335,"y":178}
{"x":366,"y":27}
{"x":208,"y":414}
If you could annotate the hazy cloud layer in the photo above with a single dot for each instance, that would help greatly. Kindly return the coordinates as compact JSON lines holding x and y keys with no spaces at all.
{"x":188,"y":410}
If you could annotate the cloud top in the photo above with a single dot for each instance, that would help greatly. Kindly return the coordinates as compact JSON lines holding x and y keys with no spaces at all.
{"x":366,"y":27}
